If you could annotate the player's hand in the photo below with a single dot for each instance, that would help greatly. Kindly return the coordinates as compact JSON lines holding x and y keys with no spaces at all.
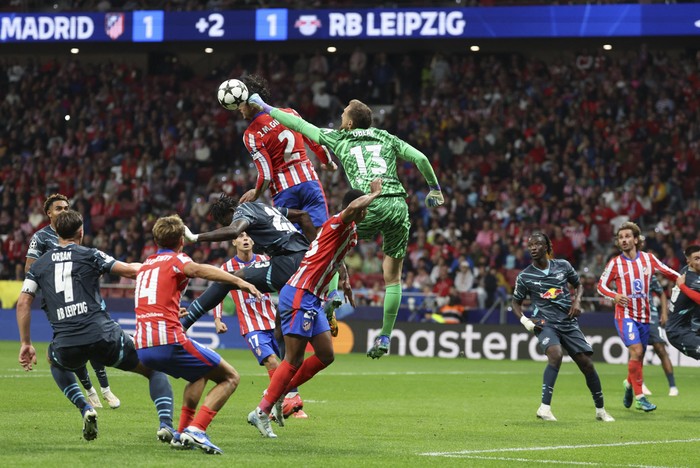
{"x":376,"y":186}
{"x":575,"y":309}
{"x":189,"y":237}
{"x":527,"y":323}
{"x":220,"y":326}
{"x":680,"y":280}
{"x":27,"y":357}
{"x":249,"y":196}
{"x":663,"y":318}
{"x":182,"y":312}
{"x":330,"y":167}
{"x":256,"y":101}
{"x":434,"y":197}
{"x":621,"y":300}
{"x":249,"y":288}
{"x":347,"y":291}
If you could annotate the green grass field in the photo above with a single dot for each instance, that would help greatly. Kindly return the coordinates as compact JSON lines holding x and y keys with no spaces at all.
{"x":396,"y":411}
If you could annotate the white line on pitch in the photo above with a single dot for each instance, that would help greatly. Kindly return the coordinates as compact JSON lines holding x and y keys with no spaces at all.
{"x":553,"y":462}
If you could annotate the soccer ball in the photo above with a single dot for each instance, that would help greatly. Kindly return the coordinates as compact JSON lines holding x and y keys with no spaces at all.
{"x":231,"y":94}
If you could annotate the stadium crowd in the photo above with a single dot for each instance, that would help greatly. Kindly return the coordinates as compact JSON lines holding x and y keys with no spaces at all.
{"x":574,"y":145}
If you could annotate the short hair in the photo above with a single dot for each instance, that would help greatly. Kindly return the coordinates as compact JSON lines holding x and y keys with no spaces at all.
{"x":636,"y":233}
{"x":168,"y":231}
{"x":54,"y":198}
{"x":350,"y":196}
{"x":222,"y":207}
{"x":360,"y":114}
{"x":691,"y":249}
{"x":68,"y":224}
{"x":547,"y":241}
{"x":257,"y":84}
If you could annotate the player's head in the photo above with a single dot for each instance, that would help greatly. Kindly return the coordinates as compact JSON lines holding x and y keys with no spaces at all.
{"x":692,"y":256}
{"x":222,"y":209}
{"x":629,"y":236}
{"x":55,"y":204}
{"x":255,"y":84}
{"x":243,"y":243}
{"x":351,"y":196}
{"x":356,"y":114}
{"x":169,"y":232}
{"x":69,"y":225}
{"x":540,"y":246}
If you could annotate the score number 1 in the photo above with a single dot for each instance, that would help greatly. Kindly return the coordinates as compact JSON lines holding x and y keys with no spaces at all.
{"x":148,"y":26}
{"x":271,"y":24}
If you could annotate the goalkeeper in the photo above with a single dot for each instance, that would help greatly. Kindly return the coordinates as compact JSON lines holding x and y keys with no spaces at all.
{"x":367,"y":153}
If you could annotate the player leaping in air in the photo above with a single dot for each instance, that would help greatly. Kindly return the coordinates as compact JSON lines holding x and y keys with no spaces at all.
{"x":366,"y":153}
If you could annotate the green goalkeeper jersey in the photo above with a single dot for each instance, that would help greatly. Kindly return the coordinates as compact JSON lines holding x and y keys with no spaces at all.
{"x":365,"y":154}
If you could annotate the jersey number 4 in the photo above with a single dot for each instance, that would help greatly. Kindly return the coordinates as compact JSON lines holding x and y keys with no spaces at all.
{"x":63,"y":280}
{"x":376,"y":164}
{"x":147,"y":285}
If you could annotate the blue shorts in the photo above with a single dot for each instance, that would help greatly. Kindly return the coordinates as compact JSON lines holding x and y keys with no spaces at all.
{"x":632,"y":332}
{"x":301,"y":313}
{"x":307,"y":196}
{"x":263,"y":344}
{"x":189,"y":360}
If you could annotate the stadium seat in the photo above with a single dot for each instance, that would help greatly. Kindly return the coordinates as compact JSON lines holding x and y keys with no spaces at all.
{"x":470,"y":300}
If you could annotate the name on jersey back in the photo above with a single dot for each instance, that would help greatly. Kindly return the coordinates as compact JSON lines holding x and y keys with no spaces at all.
{"x":71,"y":310}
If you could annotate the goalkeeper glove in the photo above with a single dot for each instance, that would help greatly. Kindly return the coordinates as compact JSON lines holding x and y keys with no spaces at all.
{"x":434,"y":197}
{"x":189,"y":237}
{"x":256,"y":100}
{"x":527,"y":323}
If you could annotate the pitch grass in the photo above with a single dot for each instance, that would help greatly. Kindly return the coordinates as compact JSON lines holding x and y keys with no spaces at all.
{"x":391,"y":412}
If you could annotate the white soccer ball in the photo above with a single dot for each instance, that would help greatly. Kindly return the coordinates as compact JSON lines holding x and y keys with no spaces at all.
{"x":231,"y":94}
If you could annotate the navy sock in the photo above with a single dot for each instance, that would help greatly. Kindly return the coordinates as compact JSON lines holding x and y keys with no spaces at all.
{"x":69,"y":386}
{"x":548,"y":380}
{"x":209,"y":299}
{"x":101,"y":374}
{"x":671,"y":380}
{"x":84,"y":378}
{"x":593,"y":382}
{"x":162,"y":396}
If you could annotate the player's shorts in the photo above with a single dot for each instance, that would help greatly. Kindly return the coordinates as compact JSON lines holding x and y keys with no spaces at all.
{"x":387,"y":216}
{"x":570,"y":337}
{"x":655,"y":333}
{"x":301,"y":313}
{"x":114,"y":348}
{"x":189,"y":360}
{"x":271,"y":275}
{"x":632,"y":332}
{"x":685,"y":341}
{"x":263,"y":344}
{"x":307,"y":196}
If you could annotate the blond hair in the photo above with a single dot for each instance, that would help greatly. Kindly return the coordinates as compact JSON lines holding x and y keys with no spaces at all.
{"x":168,"y":231}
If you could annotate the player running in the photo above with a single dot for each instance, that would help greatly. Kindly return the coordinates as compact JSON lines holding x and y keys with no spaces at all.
{"x":365,"y":153}
{"x":659,"y":318}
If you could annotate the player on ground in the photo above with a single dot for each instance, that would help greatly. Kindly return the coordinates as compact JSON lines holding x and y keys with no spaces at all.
{"x":68,"y":276}
{"x":161,"y":342}
{"x":300,"y":307}
{"x":631,"y":273}
{"x":42,"y":241}
{"x":256,"y":319}
{"x":365,"y":153}
{"x":659,"y":318}
{"x":685,"y":306}
{"x":554,"y":321}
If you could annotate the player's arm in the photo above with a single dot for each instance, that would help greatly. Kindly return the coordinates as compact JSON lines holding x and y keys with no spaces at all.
{"x":603,"y":287}
{"x":344,"y":283}
{"x":664,"y":269}
{"x":663,"y":316}
{"x":263,"y":163}
{"x":126,"y":270}
{"x":209,"y":272}
{"x":409,"y":153}
{"x":354,"y":210}
{"x":28,"y":263}
{"x":576,"y":309}
{"x":230,"y":232}
{"x":303,"y":219}
{"x":288,"y":120}
{"x":516,"y":304}
{"x":691,"y":293}
{"x":27,"y":353}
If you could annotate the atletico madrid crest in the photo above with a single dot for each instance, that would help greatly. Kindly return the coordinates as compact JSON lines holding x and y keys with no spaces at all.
{"x":114,"y":25}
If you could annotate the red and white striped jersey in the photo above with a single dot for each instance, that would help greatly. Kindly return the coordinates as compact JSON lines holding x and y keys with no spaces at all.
{"x":325,"y":256}
{"x":253,"y":314}
{"x":159,"y":286}
{"x":279,"y":153}
{"x":632,"y":279}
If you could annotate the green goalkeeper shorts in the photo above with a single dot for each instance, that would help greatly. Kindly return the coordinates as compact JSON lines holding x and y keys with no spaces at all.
{"x":389,"y":217}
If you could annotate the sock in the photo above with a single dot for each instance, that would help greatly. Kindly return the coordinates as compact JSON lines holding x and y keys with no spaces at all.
{"x":283,"y":374}
{"x":271,"y":372}
{"x":209,"y":299}
{"x":101,"y":374}
{"x":392,"y":301}
{"x":186,"y":417}
{"x":333,"y":285}
{"x":593,"y":382}
{"x":671,"y":380}
{"x":162,"y":396}
{"x":84,"y":377}
{"x":635,"y":376}
{"x":203,"y":418}
{"x":548,"y":381}
{"x":68,"y":384}
{"x":310,"y":367}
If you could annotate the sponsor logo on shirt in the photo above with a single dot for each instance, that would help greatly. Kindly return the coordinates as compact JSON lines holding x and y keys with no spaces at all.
{"x":551,"y":293}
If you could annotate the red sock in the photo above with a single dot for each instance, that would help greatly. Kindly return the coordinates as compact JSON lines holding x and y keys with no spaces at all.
{"x":635,"y":376}
{"x":310,"y":367}
{"x":283,"y":374}
{"x":203,"y":418}
{"x":271,"y":372}
{"x":186,"y":417}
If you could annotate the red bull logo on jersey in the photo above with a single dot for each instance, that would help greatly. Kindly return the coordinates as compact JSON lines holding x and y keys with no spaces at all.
{"x":551,"y":293}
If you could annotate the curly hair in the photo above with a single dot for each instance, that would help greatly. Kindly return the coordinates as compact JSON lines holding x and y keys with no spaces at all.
{"x":54,"y":198}
{"x":221,"y":209}
{"x":636,"y":233}
{"x":257,"y":84}
{"x":547,"y":242}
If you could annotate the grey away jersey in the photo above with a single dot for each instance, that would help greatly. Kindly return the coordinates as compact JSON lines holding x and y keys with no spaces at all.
{"x":69,"y":280}
{"x":682,"y":308}
{"x":42,"y":241}
{"x":271,"y":231}
{"x":549,"y":292}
